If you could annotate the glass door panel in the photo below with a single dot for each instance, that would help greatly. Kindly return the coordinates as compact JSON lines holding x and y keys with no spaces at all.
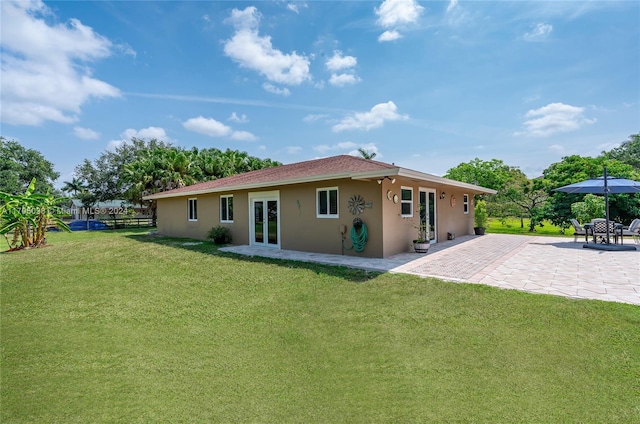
{"x":428,"y":213}
{"x":272,"y":221}
{"x":258,"y":219}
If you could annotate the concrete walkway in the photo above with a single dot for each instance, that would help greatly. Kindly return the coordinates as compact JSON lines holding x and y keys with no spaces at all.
{"x":548,"y":265}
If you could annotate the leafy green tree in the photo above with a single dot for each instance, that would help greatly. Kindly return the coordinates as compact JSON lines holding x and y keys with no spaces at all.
{"x":19,"y":166}
{"x":27,"y":216}
{"x":572,"y":169}
{"x":528,"y":196}
{"x":628,"y":152}
{"x":591,"y":207}
{"x":490,"y":174}
{"x":105,"y":176}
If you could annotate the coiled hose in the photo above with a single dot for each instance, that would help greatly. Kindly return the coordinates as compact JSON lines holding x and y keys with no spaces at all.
{"x":358,"y":241}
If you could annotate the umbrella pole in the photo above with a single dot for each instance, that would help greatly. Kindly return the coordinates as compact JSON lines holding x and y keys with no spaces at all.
{"x":606,"y":202}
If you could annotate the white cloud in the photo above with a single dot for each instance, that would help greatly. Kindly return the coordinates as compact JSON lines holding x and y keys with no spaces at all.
{"x":554,"y":118}
{"x":393,"y":14}
{"x":345,"y":145}
{"x":275,"y":90}
{"x":242,"y":119}
{"x":243,"y":136}
{"x":314,"y":117}
{"x":85,"y":133}
{"x":207,"y":126}
{"x":375,"y":118}
{"x":251,"y":51}
{"x":146,"y":133}
{"x":295,"y":7}
{"x":343,"y":79}
{"x":213,"y":128}
{"x":338,"y":62}
{"x":45,"y":74}
{"x":389,"y":36}
{"x":539,"y":32}
{"x":455,"y":15}
{"x":292,"y":150}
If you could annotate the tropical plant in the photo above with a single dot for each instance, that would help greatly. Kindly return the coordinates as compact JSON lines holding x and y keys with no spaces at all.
{"x":27,"y":216}
{"x":74,"y":186}
{"x":366,"y":154}
{"x":480,"y":216}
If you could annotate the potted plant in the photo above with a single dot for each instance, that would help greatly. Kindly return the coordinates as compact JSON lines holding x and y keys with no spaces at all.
{"x":421,"y":244}
{"x":480,"y":217}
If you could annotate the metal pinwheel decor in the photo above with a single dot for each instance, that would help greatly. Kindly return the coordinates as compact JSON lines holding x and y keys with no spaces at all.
{"x":356,"y":204}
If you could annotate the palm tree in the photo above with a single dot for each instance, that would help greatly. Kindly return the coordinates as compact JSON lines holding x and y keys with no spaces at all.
{"x":365,"y":154}
{"x":74,"y":186}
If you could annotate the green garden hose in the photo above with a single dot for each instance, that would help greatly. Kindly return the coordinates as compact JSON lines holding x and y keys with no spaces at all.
{"x":358,"y":241}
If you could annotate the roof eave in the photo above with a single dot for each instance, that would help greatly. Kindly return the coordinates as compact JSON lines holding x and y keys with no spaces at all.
{"x":343,"y":175}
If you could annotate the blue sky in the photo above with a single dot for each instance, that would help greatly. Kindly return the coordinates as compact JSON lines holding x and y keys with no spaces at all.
{"x":425,"y":85}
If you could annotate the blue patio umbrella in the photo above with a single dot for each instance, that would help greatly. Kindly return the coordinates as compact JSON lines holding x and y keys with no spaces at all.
{"x":603,"y":185}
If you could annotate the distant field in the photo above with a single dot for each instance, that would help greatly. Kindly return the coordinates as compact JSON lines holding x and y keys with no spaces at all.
{"x":512,"y":226}
{"x":120,"y":326}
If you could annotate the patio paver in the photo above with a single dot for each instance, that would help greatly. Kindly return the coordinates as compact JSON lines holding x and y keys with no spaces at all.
{"x":549,"y":265}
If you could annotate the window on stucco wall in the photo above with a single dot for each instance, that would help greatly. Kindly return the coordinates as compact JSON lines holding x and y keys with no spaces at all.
{"x":226,"y":208}
{"x":406,"y":201}
{"x":192,"y":209}
{"x":327,"y":202}
{"x":465,"y":203}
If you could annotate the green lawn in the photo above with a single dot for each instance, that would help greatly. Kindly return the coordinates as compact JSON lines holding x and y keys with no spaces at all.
{"x":513,"y":226}
{"x":125,"y":327}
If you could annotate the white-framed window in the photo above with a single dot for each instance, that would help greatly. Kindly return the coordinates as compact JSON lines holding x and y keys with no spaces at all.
{"x":465,"y":203}
{"x":327,"y":202}
{"x":192,"y":209}
{"x":406,"y":202}
{"x":226,"y":208}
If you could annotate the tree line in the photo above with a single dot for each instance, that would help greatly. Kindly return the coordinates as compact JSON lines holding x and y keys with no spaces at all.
{"x":534,"y":198}
{"x":141,"y":167}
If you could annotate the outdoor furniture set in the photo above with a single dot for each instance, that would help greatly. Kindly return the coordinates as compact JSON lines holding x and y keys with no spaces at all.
{"x":597,"y":231}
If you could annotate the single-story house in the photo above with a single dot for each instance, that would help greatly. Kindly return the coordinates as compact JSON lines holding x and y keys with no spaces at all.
{"x":311,"y":206}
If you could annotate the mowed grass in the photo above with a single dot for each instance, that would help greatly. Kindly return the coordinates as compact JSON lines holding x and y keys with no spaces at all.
{"x":125,"y":327}
{"x":513,"y":226}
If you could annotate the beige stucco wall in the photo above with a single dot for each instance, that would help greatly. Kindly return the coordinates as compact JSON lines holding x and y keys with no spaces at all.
{"x":300,"y":229}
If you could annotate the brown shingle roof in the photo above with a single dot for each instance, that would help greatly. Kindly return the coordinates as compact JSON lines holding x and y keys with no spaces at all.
{"x":343,"y":166}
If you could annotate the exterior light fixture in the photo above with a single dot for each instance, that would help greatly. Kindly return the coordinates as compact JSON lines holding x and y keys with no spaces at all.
{"x":443,"y":195}
{"x":386,"y":177}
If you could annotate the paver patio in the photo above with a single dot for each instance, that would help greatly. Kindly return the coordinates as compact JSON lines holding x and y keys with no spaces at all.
{"x":548,"y":265}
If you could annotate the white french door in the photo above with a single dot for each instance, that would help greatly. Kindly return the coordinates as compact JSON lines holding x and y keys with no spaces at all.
{"x":264,"y":219}
{"x":428,"y":212}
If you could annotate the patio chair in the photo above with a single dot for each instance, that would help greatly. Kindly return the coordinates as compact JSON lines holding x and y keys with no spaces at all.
{"x":598,"y":229}
{"x":578,"y":230}
{"x":632,"y":230}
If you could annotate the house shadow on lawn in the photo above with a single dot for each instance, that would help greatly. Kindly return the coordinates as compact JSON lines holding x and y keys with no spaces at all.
{"x":209,"y":248}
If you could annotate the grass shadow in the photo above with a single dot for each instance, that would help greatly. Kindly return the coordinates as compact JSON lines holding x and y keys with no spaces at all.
{"x":355,"y":275}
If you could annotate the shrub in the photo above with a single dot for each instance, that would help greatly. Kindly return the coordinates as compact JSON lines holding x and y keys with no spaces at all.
{"x":220,"y":235}
{"x":480,"y":216}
